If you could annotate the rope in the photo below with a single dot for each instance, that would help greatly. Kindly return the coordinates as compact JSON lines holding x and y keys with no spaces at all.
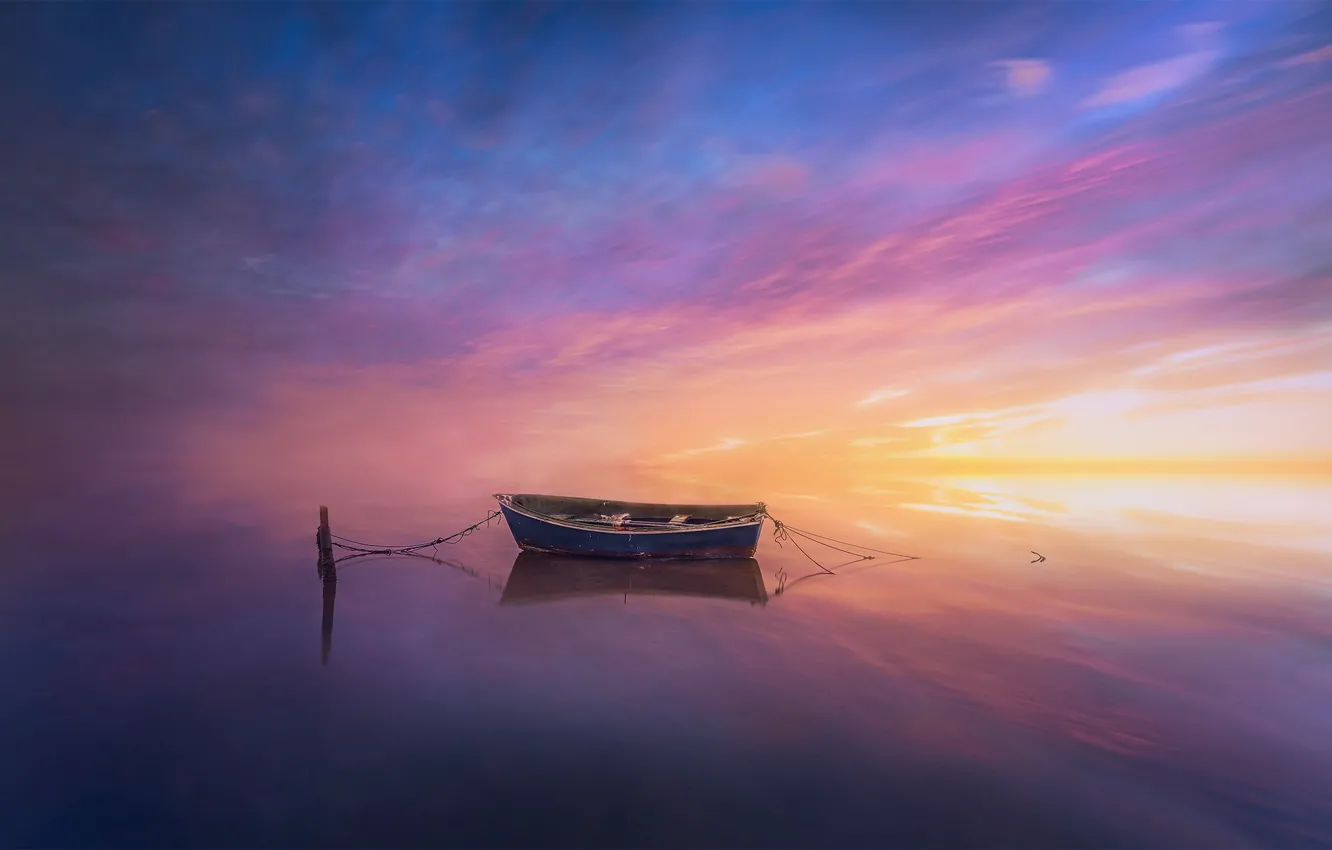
{"x":784,"y":582}
{"x":782,"y":533}
{"x":445,"y":562}
{"x":804,"y":533}
{"x":363,"y":548}
{"x":376,"y":556}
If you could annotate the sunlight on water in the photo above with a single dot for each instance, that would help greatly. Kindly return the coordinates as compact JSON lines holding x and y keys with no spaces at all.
{"x":1283,"y":511}
{"x":1161,"y":515}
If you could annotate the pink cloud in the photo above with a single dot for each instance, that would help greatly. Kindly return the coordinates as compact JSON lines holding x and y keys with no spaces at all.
{"x":967,"y":306}
{"x":1312,"y":57}
{"x":1154,"y":78}
{"x":778,"y":175}
{"x":944,"y":162}
{"x":1025,"y":77}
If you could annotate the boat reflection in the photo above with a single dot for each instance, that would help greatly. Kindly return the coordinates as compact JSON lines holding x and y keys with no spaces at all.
{"x":541,"y":577}
{"x":544,"y":577}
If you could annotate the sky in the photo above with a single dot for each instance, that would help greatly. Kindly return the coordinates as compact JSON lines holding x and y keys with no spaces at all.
{"x":660,"y":248}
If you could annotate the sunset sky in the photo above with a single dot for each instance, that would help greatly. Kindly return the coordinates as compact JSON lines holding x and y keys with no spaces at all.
{"x":652,"y":247}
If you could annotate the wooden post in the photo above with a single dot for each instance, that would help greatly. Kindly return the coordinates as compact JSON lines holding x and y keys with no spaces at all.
{"x":326,"y":569}
{"x":328,"y":572}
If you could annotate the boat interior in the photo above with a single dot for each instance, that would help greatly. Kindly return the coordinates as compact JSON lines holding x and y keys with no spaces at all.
{"x":628,"y":514}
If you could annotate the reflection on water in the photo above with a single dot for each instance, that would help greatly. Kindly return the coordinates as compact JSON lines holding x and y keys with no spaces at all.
{"x":1161,"y":679}
{"x":1284,"y":511}
{"x":541,"y":577}
{"x":330,"y":584}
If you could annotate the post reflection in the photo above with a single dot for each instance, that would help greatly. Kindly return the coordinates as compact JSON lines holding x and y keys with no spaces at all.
{"x":326,"y":625}
{"x":328,"y":577}
{"x":541,"y":577}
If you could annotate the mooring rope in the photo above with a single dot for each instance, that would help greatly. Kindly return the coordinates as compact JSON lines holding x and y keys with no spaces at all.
{"x":821,"y":538}
{"x":374,"y":556}
{"x":411,"y":549}
{"x":783,"y":533}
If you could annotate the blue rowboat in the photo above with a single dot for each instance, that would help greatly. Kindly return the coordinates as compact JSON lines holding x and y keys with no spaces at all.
{"x":604,"y":529}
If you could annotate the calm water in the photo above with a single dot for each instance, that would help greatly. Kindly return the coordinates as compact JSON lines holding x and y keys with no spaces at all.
{"x":1162,"y":679}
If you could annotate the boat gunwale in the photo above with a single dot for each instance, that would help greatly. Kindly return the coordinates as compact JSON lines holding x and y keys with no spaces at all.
{"x":506,"y":501}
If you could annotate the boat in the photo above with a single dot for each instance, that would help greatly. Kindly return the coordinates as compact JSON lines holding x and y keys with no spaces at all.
{"x":543,"y":577}
{"x":600,"y":528}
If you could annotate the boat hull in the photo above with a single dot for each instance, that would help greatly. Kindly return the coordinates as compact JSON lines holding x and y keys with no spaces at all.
{"x":531,"y":533}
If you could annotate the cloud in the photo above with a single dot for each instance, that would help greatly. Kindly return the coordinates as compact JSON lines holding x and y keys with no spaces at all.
{"x":1312,"y":57}
{"x":1208,"y":352}
{"x":803,"y":435}
{"x":1155,"y":78}
{"x":1225,"y":362}
{"x":870,"y":442}
{"x":951,"y":161}
{"x":1166,"y":75}
{"x":258,"y":265}
{"x":726,"y":444}
{"x":779,"y":176}
{"x":1203,"y":32}
{"x":968,"y":512}
{"x":959,"y":418}
{"x":1290,"y":387}
{"x":880,"y":395}
{"x":1025,"y":77}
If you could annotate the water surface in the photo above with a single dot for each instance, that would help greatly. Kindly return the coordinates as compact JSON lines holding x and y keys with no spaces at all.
{"x":1161,"y":679}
